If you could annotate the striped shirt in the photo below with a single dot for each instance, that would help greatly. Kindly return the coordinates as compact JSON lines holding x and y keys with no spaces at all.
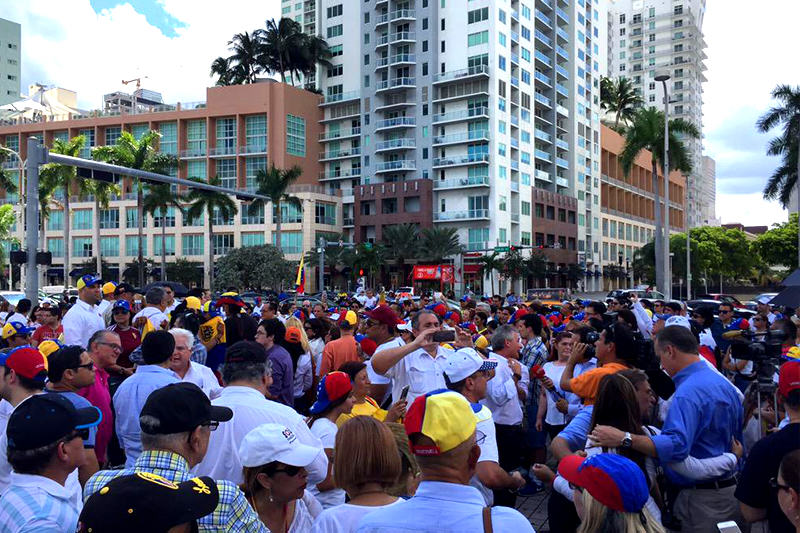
{"x":233,"y":513}
{"x":37,"y":503}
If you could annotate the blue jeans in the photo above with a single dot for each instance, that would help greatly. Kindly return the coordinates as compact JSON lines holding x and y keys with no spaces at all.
{"x":533,"y":438}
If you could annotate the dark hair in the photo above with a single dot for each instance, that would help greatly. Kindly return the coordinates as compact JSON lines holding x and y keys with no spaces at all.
{"x":53,"y":310}
{"x":274,"y":328}
{"x":596,"y":324}
{"x":322,"y":414}
{"x":197,"y":292}
{"x":23,"y":306}
{"x":623,"y":339}
{"x":675,"y":306}
{"x":176,"y":313}
{"x":790,"y":469}
{"x":788,"y":328}
{"x":63,"y":359}
{"x":598,"y":307}
{"x":793,"y":399}
{"x":681,"y":338}
{"x":352,"y":368}
{"x":190,"y":322}
{"x":707,"y":314}
{"x":634,"y":375}
{"x":295,"y":350}
{"x":318,"y":327}
{"x":629,"y":318}
{"x":33,"y":461}
{"x":27,"y":383}
{"x":157,"y":347}
{"x":534,"y":322}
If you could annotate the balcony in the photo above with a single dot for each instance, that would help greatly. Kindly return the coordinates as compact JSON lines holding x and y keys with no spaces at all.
{"x":395,"y":83}
{"x":395,"y":101}
{"x":340,"y":154}
{"x":395,"y":144}
{"x":457,"y":138}
{"x":461,"y":183}
{"x":466,"y":114}
{"x":455,"y":216}
{"x":543,"y":58}
{"x":514,"y":218}
{"x":541,"y":154}
{"x":544,"y":39}
{"x":477,"y":246}
{"x":542,"y":99}
{"x":539,"y":134}
{"x":446,"y":93}
{"x":538,"y":76}
{"x":541,"y":175}
{"x":398,"y":122}
{"x":562,"y":72}
{"x":193,"y":153}
{"x":514,"y":186}
{"x":514,"y":36}
{"x":339,"y":134}
{"x":544,"y":19}
{"x":562,"y":162}
{"x":402,"y":36}
{"x":514,"y":165}
{"x":253,"y":149}
{"x":514,"y":143}
{"x":563,"y":110}
{"x":514,"y":120}
{"x":514,"y":58}
{"x":462,"y":74}
{"x":461,"y":160}
{"x":348,"y":222}
{"x":562,"y":182}
{"x":341,"y":97}
{"x":562,"y":15}
{"x":10,"y":164}
{"x":514,"y":81}
{"x":395,"y":166}
{"x":340,"y":174}
{"x":221,"y":151}
{"x":563,"y":91}
{"x":402,"y":14}
{"x":564,"y":145}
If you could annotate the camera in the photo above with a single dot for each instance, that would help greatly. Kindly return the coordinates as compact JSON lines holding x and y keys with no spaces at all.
{"x":589,"y":338}
{"x":763,"y":349}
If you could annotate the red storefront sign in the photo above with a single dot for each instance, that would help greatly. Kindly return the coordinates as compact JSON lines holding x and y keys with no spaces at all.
{"x":444,"y":273}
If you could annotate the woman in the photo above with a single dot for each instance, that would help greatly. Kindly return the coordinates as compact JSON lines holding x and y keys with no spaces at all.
{"x":554,"y":403}
{"x":275,"y":475}
{"x":787,"y":483}
{"x":316,"y":330}
{"x":334,"y":398}
{"x":610,"y":492}
{"x":301,"y":361}
{"x":363,"y":405}
{"x":367,"y":465}
{"x":407,"y":483}
{"x":129,"y":336}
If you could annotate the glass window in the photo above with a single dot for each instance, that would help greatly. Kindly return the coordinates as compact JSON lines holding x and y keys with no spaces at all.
{"x":82,"y":219}
{"x":525,"y":208}
{"x":55,"y":221}
{"x":295,"y":135}
{"x":109,"y":219}
{"x":226,"y":171}
{"x":478,"y":38}
{"x":257,"y":217}
{"x":334,"y":31}
{"x":193,"y":222}
{"x":196,"y":169}
{"x":113,"y":134}
{"x":132,"y":245}
{"x":131,"y":215}
{"x":137,"y":130}
{"x":253,"y":239}
{"x":502,"y":235}
{"x":252,"y":166}
{"x":223,"y":243}
{"x":196,"y":138}
{"x":526,"y":238}
{"x":226,"y":136}
{"x":256,"y":133}
{"x":56,"y":246}
{"x":88,"y":135}
{"x":82,"y":246}
{"x":291,"y":241}
{"x":289,"y":214}
{"x":169,"y":245}
{"x":217,"y":219}
{"x":192,"y":244}
{"x":169,"y":220}
{"x":325,"y":213}
{"x":168,"y":144}
{"x":503,"y":201}
{"x":109,"y":246}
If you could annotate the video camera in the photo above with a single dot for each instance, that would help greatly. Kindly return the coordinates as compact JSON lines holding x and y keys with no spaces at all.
{"x":764,"y":349}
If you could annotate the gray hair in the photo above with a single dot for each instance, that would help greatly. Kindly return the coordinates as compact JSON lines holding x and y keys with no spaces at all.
{"x":98,"y":336}
{"x":501,"y":335}
{"x":185,"y":333}
{"x":418,"y":316}
{"x":160,"y":441}
{"x":155,"y":296}
{"x":245,"y":371}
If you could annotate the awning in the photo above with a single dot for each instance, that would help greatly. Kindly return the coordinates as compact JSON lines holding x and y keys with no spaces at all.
{"x":56,"y":271}
{"x":76,"y":272}
{"x":472,"y":268}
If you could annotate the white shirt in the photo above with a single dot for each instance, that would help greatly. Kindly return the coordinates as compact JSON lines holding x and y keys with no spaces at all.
{"x":345,"y":518}
{"x":488,"y":446}
{"x":420,"y":372}
{"x":37,"y":503}
{"x":203,"y":377}
{"x":377,"y":379}
{"x":154,"y":314}
{"x":306,"y":510}
{"x":17,"y":317}
{"x":303,"y":375}
{"x":317,"y":345}
{"x":554,"y":417}
{"x":371,"y":301}
{"x":325,"y":431}
{"x":81,"y":322}
{"x":501,"y":393}
{"x":251,"y":409}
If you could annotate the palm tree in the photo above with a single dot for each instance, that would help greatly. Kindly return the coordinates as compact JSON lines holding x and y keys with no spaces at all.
{"x":203,"y":201}
{"x":246,"y":49}
{"x":787,"y":114}
{"x":158,"y":199}
{"x":536,"y":264}
{"x":646,"y":132}
{"x":313,"y":51}
{"x":281,"y":41}
{"x":274,"y":183}
{"x":141,"y":155}
{"x":5,"y":180}
{"x":64,"y":177}
{"x":619,"y":97}
{"x":402,"y":243}
{"x":221,"y":68}
{"x":102,"y":192}
{"x":439,"y":243}
{"x":488,"y":265}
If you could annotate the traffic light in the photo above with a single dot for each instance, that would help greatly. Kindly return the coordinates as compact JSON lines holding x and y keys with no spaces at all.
{"x":360,"y":271}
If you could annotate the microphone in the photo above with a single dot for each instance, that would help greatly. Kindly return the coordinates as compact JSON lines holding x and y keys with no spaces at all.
{"x":734,"y":334}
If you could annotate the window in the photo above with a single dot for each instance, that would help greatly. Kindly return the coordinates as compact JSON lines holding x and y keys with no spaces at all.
{"x":169,"y":245}
{"x":253,"y":239}
{"x":109,"y":219}
{"x":335,"y":70}
{"x":113,"y":134}
{"x":525,"y":208}
{"x":196,"y":169}
{"x":132,"y":245}
{"x":196,"y":137}
{"x":168,"y":143}
{"x":539,"y":210}
{"x":218,"y":220}
{"x":478,"y":238}
{"x":551,"y":212}
{"x":255,"y":131}
{"x":443,"y":25}
{"x":192,"y":245}
{"x":366,"y":17}
{"x":334,"y":31}
{"x":562,"y":215}
{"x":291,"y":242}
{"x":252,"y":166}
{"x":502,"y":38}
{"x":223,"y":243}
{"x":525,"y":240}
{"x":109,"y":246}
{"x":82,"y":246}
{"x":325,"y":213}
{"x":336,"y":50}
{"x":56,"y":246}
{"x":55,"y":221}
{"x":295,"y":135}
{"x":82,"y":219}
{"x":289,"y":214}
{"x":502,"y":203}
{"x":502,"y":236}
{"x":477,"y":15}
{"x":525,"y":53}
{"x":424,"y":46}
{"x":501,"y":62}
{"x":88,"y":134}
{"x":169,"y":218}
{"x":501,"y":15}
{"x":226,"y":171}
{"x":425,"y":23}
{"x":335,"y":11}
{"x":475,"y":39}
{"x":254,"y":217}
{"x":226,"y":136}
{"x":131,"y":217}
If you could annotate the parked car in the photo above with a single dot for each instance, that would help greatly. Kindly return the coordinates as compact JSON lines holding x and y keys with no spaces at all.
{"x":738,"y":312}
{"x":12,"y":297}
{"x":727,"y":298}
{"x":641,"y":293}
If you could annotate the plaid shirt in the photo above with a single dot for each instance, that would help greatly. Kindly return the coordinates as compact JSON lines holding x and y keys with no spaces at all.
{"x":533,"y":353}
{"x":233,"y":513}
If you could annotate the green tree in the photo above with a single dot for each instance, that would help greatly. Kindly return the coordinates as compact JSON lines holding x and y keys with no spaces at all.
{"x":778,"y":245}
{"x":787,"y":115}
{"x":89,"y":266}
{"x":246,"y":49}
{"x":489,"y":264}
{"x":157,"y":201}
{"x":184,"y":271}
{"x":102,"y":192}
{"x":402,"y":243}
{"x":65,"y":177}
{"x":202,"y":201}
{"x":369,"y":258}
{"x":132,"y":269}
{"x":274,"y":183}
{"x":514,"y":266}
{"x":6,"y":183}
{"x":138,"y":154}
{"x":7,"y":220}
{"x":437,"y":244}
{"x":536,"y":264}
{"x":620,"y":98}
{"x":255,"y":267}
{"x":281,"y":41}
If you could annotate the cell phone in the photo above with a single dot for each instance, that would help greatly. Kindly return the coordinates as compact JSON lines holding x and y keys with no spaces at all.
{"x":444,"y":336}
{"x":404,"y":392}
{"x":728,"y":527}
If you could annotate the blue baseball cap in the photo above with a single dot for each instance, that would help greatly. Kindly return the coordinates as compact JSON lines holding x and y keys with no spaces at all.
{"x":332,"y":387}
{"x":613,"y":480}
{"x":16,"y":328}
{"x":87,"y":280}
{"x":121,"y":304}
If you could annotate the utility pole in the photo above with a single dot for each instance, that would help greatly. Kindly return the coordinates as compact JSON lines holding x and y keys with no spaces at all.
{"x":324,"y":243}
{"x":665,"y":243}
{"x":688,"y":243}
{"x":36,"y":156}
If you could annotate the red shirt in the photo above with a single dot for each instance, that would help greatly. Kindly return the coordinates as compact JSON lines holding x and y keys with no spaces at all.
{"x":45,"y":333}
{"x":99,"y":395}
{"x":130,"y":340}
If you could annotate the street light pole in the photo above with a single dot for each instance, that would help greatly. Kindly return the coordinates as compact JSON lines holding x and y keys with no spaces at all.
{"x":688,"y":243}
{"x":665,"y":242}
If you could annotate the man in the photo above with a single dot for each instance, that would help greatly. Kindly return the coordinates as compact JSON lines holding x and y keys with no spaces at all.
{"x":612,"y":349}
{"x":45,"y":445}
{"x":152,"y":317}
{"x":51,"y":326}
{"x":595,"y":310}
{"x":84,"y":318}
{"x":762,"y":308}
{"x":721,"y":325}
{"x":69,"y":370}
{"x":320,"y":311}
{"x":756,"y":498}
{"x":176,"y":423}
{"x":104,"y":349}
{"x":269,"y":310}
{"x":24,"y":374}
{"x":157,"y":348}
{"x":703,"y":418}
{"x":108,"y":296}
{"x":171,"y":303}
{"x":441,"y":430}
{"x":533,"y":353}
{"x":381,"y":327}
{"x":467,"y":373}
{"x":187,"y":370}
{"x":270,"y":334}
{"x":246,"y":375}
{"x":16,"y":334}
{"x":505,"y":393}
{"x":21,"y":311}
{"x":342,"y":349}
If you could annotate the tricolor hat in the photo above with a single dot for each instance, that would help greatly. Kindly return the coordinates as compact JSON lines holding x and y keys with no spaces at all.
{"x":481,"y":342}
{"x":613,"y":480}
{"x":464,"y":362}
{"x":26,"y":361}
{"x":332,"y":387}
{"x":405,"y":326}
{"x":455,"y":315}
{"x":789,"y":379}
{"x":230,"y":298}
{"x":519,"y":313}
{"x":350,"y":317}
{"x":443,"y":416}
{"x":49,"y":346}
{"x":16,"y":328}
{"x":87,"y":280}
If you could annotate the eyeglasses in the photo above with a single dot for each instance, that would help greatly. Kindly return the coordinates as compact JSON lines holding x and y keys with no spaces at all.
{"x":773,"y":482}
{"x":115,"y":347}
{"x":87,"y":366}
{"x":212,"y":425}
{"x":82,"y":434}
{"x":724,"y":312}
{"x":290,"y":471}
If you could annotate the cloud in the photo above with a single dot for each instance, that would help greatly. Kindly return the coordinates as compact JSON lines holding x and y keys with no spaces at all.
{"x":72,"y":46}
{"x":750,"y":209}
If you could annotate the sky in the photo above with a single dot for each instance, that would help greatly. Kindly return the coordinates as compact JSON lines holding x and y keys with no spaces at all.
{"x":95,"y":44}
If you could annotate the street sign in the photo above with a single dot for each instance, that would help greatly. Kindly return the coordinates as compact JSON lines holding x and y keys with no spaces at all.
{"x":500,"y":249}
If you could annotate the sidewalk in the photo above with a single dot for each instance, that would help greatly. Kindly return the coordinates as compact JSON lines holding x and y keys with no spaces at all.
{"x":535,"y":509}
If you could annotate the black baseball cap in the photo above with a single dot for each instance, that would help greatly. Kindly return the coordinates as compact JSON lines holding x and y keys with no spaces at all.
{"x":123,"y":287}
{"x":180,"y":407}
{"x":246,"y":352}
{"x":147,"y":502}
{"x":44,"y":419}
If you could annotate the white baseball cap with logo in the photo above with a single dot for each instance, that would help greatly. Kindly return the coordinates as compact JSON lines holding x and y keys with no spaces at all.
{"x":463,"y":363}
{"x":678,"y":320}
{"x":275,"y":442}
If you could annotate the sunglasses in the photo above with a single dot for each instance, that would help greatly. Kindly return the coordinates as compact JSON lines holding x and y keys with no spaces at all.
{"x":115,"y":347}
{"x":212,"y":425}
{"x":724,"y":312}
{"x":773,"y":483}
{"x":290,"y":471}
{"x":87,"y":366}
{"x":83,"y":434}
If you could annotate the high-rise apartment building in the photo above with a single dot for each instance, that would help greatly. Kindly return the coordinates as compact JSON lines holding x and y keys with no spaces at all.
{"x":650,"y":37}
{"x":456,"y":113}
{"x":10,"y":72}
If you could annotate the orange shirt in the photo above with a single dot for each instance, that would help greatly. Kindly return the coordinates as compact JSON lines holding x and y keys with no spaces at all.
{"x":586,"y":384}
{"x":337,"y":352}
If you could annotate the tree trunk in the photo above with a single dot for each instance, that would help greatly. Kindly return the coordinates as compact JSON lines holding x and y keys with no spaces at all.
{"x":99,"y":259}
{"x":210,"y":252}
{"x":66,"y":234}
{"x":163,"y":244}
{"x":659,"y":247}
{"x":140,"y":229}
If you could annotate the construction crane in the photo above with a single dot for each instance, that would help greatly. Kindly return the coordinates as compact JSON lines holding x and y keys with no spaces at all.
{"x":137,"y":80}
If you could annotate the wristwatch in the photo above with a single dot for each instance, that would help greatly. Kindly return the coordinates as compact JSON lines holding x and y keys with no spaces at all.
{"x":627,"y":441}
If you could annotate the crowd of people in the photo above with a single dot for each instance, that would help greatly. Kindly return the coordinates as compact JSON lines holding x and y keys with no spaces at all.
{"x":379,"y":413}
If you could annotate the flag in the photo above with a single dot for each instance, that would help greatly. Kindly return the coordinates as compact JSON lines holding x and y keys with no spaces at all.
{"x":300,"y":282}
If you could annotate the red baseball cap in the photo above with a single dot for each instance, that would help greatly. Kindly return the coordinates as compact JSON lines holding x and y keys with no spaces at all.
{"x":293,"y":335}
{"x":26,"y":361}
{"x":368,"y":346}
{"x":789,"y":379}
{"x":385,"y":315}
{"x":332,"y":387}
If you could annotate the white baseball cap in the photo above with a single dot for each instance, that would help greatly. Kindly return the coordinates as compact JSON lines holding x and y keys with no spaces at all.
{"x":678,"y":320}
{"x":275,"y":442}
{"x":405,"y":326}
{"x":764,"y":300}
{"x":462,"y":363}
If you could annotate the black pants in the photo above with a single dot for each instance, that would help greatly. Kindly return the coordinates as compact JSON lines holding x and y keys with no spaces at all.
{"x":512,"y":454}
{"x":561,"y":514}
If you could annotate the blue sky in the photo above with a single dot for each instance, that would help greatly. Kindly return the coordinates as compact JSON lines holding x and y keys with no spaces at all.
{"x":153,"y":11}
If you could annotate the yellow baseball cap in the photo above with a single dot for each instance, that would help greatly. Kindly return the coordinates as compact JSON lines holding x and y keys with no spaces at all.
{"x":109,"y":287}
{"x":87,"y":280}
{"x":49,"y":346}
{"x":193,"y":303}
{"x":445,"y":417}
{"x":351,"y":317}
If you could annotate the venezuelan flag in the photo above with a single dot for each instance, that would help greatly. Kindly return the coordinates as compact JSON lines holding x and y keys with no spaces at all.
{"x":300,"y":282}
